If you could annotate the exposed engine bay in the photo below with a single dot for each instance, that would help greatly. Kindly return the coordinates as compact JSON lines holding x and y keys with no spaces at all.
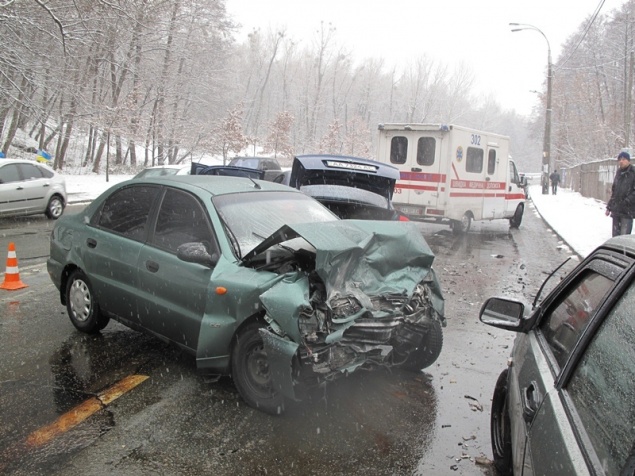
{"x":338,"y":309}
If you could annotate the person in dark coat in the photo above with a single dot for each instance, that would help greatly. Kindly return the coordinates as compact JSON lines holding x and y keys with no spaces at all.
{"x":621,"y":205}
{"x":555,"y":180}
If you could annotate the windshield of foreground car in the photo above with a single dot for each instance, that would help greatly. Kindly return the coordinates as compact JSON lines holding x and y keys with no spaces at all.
{"x":253,"y":217}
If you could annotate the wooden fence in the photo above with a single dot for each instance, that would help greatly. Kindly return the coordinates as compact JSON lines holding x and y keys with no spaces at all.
{"x":593,"y":179}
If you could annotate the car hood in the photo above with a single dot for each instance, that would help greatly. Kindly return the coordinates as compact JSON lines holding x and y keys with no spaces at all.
{"x":361,"y":257}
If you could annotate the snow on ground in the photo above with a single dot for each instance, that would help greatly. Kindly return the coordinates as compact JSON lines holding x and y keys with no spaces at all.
{"x":578,"y":220}
{"x":581,"y":222}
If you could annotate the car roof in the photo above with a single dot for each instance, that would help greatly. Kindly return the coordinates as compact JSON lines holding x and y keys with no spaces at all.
{"x":218,"y":185}
{"x":624,"y":244}
{"x":26,"y":161}
{"x":19,"y":161}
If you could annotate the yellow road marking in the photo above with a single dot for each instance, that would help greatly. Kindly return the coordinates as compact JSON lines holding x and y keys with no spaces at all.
{"x":83,"y":411}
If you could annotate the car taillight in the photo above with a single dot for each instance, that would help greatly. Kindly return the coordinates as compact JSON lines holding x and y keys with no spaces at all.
{"x":403,"y":218}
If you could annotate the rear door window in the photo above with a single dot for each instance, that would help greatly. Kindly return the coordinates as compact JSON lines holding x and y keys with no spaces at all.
{"x":398,"y":150}
{"x":425,"y":151}
{"x":127,"y":210}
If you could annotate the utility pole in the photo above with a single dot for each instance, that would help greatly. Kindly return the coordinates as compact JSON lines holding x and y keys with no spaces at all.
{"x":547,"y":166}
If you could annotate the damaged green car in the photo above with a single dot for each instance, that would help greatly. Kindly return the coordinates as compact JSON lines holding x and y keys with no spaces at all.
{"x":254,"y":279}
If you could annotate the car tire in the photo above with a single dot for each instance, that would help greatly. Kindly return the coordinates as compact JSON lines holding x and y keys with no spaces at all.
{"x":500,"y":426}
{"x":82,"y":306}
{"x":516,"y":220}
{"x":55,"y":207}
{"x":463,"y":225}
{"x":428,"y":352}
{"x":251,"y":372}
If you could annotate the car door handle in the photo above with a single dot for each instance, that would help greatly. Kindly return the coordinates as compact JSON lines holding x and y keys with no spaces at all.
{"x":415,"y":169}
{"x":91,"y":243}
{"x":531,"y":400}
{"x":152,"y":266}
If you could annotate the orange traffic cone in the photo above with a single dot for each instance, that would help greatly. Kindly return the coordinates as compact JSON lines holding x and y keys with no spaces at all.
{"x":12,"y":276}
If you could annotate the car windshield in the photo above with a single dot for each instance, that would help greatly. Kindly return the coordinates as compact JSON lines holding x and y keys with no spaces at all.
{"x":344,"y":194}
{"x":249,"y":163}
{"x":157,"y":172}
{"x":253,"y":217}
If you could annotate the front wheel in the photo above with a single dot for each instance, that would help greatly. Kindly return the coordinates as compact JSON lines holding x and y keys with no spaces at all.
{"x":500,"y":426}
{"x":428,"y":351}
{"x":82,"y":306}
{"x":515,"y":221}
{"x":55,"y":208}
{"x":251,"y":372}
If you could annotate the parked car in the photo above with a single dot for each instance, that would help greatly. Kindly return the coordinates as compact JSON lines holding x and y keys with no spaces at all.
{"x":29,"y":188}
{"x":253,"y":278}
{"x":566,"y":403}
{"x":163,"y":170}
{"x":269,"y":165}
{"x":351,"y":187}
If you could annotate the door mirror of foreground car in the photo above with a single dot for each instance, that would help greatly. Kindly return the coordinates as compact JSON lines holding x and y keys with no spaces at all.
{"x":503,"y":313}
{"x":196,"y":253}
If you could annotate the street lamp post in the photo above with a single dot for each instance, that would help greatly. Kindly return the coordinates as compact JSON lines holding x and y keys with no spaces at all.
{"x":546,"y":147}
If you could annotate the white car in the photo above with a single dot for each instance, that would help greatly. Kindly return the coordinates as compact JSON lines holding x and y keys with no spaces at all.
{"x":29,"y":188}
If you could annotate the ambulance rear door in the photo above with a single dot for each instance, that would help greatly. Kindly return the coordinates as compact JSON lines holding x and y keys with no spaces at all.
{"x":418,"y":154}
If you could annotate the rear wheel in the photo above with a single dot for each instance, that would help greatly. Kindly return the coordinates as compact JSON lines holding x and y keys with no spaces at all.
{"x":82,"y":306}
{"x":251,"y":372}
{"x":515,"y":221}
{"x":55,"y":208}
{"x":500,"y":427}
{"x":428,"y":351}
{"x":463,"y":225}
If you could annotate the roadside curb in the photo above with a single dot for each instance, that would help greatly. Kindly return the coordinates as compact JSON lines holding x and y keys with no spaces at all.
{"x":573,"y":250}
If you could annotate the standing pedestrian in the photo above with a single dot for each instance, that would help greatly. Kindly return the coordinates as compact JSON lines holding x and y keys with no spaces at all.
{"x":555,"y":180}
{"x":621,"y":205}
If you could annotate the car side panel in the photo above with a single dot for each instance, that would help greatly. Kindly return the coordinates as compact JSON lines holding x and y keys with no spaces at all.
{"x":111,"y":263}
{"x":548,"y":432}
{"x":35,"y":194}
{"x":12,"y":198}
{"x":172,"y":295}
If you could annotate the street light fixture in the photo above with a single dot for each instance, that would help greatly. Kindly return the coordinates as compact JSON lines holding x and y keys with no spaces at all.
{"x":546,"y":148}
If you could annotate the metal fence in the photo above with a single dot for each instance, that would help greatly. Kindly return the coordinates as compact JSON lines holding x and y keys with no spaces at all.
{"x":593,"y":179}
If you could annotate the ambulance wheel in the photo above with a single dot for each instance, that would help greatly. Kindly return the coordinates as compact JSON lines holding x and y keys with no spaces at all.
{"x":463,"y":225}
{"x":515,"y":221}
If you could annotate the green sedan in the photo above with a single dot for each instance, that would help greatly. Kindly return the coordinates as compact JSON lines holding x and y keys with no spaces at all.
{"x":254,"y":279}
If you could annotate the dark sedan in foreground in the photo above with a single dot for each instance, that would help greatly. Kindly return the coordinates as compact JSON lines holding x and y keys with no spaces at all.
{"x":253,"y":278}
{"x":566,"y":403}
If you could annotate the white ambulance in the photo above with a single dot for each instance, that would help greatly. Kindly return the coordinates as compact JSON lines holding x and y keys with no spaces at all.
{"x":452,"y":174}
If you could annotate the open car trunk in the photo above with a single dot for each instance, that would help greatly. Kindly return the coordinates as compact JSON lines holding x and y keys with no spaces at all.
{"x":351,"y":187}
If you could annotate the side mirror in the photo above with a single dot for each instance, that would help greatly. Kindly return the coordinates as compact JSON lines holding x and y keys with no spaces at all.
{"x":196,"y":253}
{"x":503,"y":313}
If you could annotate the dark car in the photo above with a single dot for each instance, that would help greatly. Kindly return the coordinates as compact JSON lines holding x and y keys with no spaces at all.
{"x":253,"y":278}
{"x":566,"y":403}
{"x":351,"y":187}
{"x":268,"y":165}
